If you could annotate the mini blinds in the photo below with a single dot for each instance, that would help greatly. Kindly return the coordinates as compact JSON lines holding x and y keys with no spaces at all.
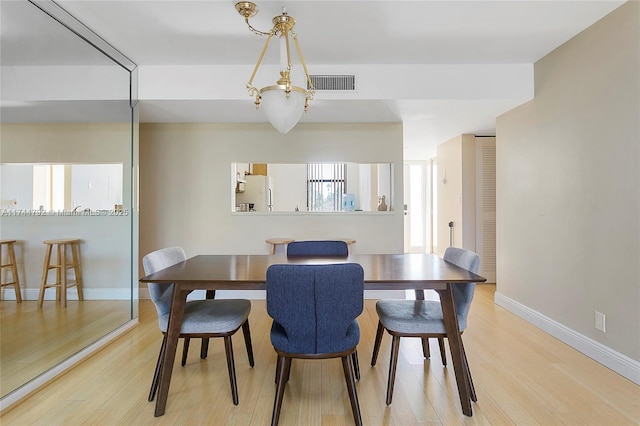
{"x":325,"y":186}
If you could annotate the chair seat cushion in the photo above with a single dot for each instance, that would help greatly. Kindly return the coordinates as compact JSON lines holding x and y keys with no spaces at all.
{"x":413,"y":316}
{"x":283,"y":343}
{"x":211,"y":316}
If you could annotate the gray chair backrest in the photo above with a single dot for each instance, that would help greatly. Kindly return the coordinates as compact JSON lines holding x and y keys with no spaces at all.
{"x":315,"y":305}
{"x":317,"y":248}
{"x":463,"y":293}
{"x":155,"y":261}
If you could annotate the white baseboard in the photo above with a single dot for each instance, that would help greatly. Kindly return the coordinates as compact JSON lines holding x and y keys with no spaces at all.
{"x":72,"y":294}
{"x":606,"y":356}
{"x":31,"y":386}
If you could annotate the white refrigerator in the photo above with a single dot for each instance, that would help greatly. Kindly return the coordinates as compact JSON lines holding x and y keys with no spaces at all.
{"x":258,"y":191}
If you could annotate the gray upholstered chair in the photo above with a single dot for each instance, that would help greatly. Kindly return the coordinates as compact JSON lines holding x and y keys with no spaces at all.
{"x":423,"y":318}
{"x":318,"y":248}
{"x":202,"y":318}
{"x":314,"y":310}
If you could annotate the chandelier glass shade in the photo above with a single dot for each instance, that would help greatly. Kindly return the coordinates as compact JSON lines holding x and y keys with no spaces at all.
{"x":282,"y":103}
{"x":283,"y":110}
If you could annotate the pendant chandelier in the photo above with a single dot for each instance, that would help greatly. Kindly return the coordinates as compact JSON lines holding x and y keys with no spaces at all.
{"x":282,"y":103}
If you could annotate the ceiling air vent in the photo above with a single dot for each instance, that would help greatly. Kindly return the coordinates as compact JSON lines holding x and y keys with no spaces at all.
{"x":333,"y":82}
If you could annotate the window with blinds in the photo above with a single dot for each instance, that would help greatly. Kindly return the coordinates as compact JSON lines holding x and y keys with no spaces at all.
{"x":326,"y":185}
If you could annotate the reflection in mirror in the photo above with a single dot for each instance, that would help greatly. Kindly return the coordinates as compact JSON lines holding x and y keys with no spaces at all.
{"x":312,"y":187}
{"x":80,"y":188}
{"x":68,"y":117}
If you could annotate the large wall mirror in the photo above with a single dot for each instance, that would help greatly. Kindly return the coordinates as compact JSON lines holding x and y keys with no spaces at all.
{"x":68,"y":152}
{"x":312,"y":187}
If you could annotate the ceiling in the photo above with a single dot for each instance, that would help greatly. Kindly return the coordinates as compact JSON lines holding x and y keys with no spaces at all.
{"x":154,"y":33}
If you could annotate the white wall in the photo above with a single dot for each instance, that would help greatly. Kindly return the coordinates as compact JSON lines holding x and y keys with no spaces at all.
{"x":185,"y":185}
{"x":16,"y":186}
{"x":96,"y":186}
{"x":64,"y":82}
{"x":568,"y":192}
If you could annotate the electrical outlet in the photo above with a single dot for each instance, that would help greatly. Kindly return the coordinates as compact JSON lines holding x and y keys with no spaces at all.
{"x":600,"y":321}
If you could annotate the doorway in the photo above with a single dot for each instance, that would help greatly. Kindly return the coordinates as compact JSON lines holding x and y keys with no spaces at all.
{"x":419,"y":208}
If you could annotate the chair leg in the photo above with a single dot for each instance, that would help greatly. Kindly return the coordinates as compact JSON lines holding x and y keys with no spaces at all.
{"x":472,"y":389}
{"x":284,"y":365}
{"x":156,"y":374}
{"x":426,"y":352}
{"x":228,"y":347}
{"x":247,"y":341}
{"x":351,"y":388}
{"x":185,"y":351}
{"x":393,"y":363}
{"x":376,"y":345}
{"x":443,"y":353}
{"x":204,"y":348}
{"x":278,"y":367}
{"x":356,"y":364}
{"x":288,"y":370}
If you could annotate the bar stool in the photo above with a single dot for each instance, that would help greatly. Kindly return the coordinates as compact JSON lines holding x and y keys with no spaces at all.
{"x":275,"y":242}
{"x":12,"y":265}
{"x":349,"y":241}
{"x":62,"y":266}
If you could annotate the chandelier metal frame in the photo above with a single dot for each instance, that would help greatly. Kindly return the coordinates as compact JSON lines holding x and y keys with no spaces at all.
{"x":283,"y":26}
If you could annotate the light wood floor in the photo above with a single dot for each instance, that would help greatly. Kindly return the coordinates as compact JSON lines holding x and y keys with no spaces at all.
{"x":522,"y":376}
{"x":36,"y":339}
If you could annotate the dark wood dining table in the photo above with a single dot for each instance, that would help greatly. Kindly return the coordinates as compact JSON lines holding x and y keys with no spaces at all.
{"x":248,"y":272}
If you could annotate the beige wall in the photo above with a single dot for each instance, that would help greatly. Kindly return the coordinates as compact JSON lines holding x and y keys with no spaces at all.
{"x":568,"y":189}
{"x":185,"y":185}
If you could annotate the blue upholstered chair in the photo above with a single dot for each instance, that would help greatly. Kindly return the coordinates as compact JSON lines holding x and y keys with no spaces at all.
{"x":314,"y":310}
{"x":318,"y":248}
{"x":423,"y":318}
{"x":202,"y":318}
{"x":323,"y":248}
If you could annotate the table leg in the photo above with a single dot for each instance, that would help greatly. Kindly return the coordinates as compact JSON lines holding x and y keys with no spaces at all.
{"x":204,"y":344}
{"x":455,"y":346}
{"x":178,"y":301}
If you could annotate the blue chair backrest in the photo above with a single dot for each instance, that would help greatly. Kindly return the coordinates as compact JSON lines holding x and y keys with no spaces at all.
{"x":463,"y":293}
{"x":317,"y":248}
{"x":316,"y":306}
{"x":153,"y":262}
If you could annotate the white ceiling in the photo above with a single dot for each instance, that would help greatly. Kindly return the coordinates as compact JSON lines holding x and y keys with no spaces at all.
{"x":156,"y":33}
{"x":152,"y":32}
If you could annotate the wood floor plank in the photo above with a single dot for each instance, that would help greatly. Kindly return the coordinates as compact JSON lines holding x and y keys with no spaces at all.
{"x":521,"y":374}
{"x":53,"y":334}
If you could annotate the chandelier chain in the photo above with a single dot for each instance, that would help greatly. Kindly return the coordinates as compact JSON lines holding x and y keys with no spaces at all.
{"x":256,"y":31}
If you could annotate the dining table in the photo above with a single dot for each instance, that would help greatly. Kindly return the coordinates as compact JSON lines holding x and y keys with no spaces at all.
{"x":381,"y":272}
